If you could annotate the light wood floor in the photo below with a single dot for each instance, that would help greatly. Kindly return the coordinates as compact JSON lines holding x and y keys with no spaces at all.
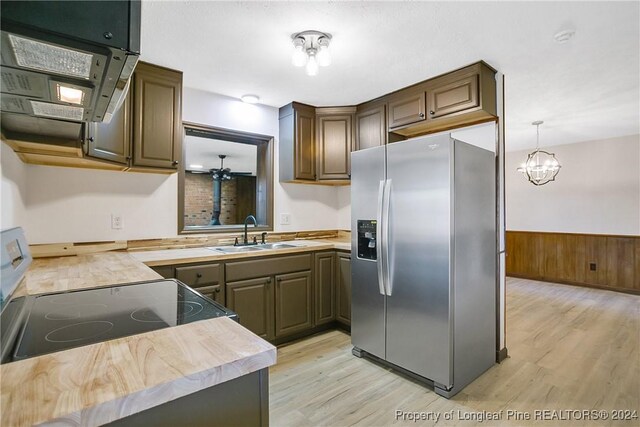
{"x":570,"y":348}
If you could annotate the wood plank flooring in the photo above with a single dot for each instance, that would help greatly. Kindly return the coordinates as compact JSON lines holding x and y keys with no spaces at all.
{"x":570,"y":348}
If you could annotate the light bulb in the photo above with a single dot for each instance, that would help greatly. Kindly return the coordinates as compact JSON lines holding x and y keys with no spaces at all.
{"x":299,"y":57}
{"x":312,"y":64}
{"x":324,"y":57}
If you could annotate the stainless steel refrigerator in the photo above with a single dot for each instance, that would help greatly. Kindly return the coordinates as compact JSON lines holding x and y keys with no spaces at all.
{"x":423,"y":225}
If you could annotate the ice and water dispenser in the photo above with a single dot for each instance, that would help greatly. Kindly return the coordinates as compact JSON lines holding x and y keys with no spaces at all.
{"x":367,"y":244}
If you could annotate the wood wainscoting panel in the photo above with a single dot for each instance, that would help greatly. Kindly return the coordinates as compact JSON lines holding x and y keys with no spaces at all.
{"x":603,"y":261}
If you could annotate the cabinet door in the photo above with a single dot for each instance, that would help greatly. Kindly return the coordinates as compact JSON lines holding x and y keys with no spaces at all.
{"x":304,"y":145}
{"x":334,"y":146}
{"x":406,"y":108}
{"x":157,"y":117}
{"x":324,"y":284}
{"x":343,"y":288}
{"x":253,"y":301}
{"x":371,"y":127}
{"x":448,"y":97}
{"x":214,"y":292}
{"x":293,"y":303}
{"x":112,"y":141}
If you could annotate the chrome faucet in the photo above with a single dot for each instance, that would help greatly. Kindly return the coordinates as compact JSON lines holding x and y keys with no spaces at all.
{"x":246,"y":222}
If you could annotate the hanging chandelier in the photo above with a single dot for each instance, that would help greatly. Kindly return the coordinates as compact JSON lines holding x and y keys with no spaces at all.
{"x":311,"y":49}
{"x":541,"y":167}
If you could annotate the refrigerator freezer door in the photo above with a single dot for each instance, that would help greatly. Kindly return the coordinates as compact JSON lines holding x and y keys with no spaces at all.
{"x":418,"y":310}
{"x":367,"y":303}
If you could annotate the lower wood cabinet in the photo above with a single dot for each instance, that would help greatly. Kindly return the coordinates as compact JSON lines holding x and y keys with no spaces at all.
{"x":207,"y":279}
{"x":293,"y":303}
{"x":325,"y":287}
{"x":253,"y":300}
{"x":343,"y":288}
{"x":279,"y":297}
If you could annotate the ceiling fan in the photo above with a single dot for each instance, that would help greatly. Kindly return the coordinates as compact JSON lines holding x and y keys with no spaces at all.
{"x":219,"y":175}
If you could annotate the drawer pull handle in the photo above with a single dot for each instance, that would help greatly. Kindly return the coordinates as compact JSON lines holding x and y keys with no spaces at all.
{"x":199,"y":275}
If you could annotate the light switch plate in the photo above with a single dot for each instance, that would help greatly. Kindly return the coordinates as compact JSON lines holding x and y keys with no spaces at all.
{"x":285,"y":219}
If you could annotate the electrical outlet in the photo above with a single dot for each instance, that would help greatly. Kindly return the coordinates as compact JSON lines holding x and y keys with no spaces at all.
{"x":116,"y":222}
{"x":285,"y":219}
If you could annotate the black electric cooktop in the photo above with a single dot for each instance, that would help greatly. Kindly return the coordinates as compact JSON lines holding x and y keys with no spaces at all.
{"x":59,"y":321}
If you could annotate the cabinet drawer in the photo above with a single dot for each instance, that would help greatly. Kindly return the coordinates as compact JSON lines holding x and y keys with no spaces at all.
{"x":406,"y":108}
{"x":200,"y":275}
{"x":448,"y":97}
{"x":267,"y":267}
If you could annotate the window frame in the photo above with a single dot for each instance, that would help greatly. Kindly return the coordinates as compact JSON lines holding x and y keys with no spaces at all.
{"x":264,"y":178}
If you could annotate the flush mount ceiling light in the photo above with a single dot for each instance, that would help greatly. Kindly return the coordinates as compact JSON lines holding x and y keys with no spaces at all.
{"x":250,"y":99}
{"x":311,"y":49}
{"x":541,"y":167}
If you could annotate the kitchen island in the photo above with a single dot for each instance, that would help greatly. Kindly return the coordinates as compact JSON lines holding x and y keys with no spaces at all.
{"x":109,"y":381}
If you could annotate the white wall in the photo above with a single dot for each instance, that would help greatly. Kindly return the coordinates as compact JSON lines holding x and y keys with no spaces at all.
{"x":12,"y":188}
{"x":596,"y":191}
{"x":75,"y":205}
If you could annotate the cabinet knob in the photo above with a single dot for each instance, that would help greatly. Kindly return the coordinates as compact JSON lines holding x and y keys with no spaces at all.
{"x":421,"y":115}
{"x":432,"y":112}
{"x":108,"y":35}
{"x":128,"y":158}
{"x":174,"y":163}
{"x":217,"y":290}
{"x":90,"y":139}
{"x":269,"y":280}
{"x":199,"y":275}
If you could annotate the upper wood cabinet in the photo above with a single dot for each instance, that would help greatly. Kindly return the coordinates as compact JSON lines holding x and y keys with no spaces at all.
{"x":315,"y":144}
{"x":157,"y":117}
{"x":370,"y":125}
{"x":297,"y":143}
{"x":448,"y":95}
{"x":406,"y":107}
{"x":112,"y":141}
{"x":144,"y":135}
{"x":334,"y":135}
{"x":461,"y":98}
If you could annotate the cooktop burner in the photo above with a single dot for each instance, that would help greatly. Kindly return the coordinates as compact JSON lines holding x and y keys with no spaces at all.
{"x":55,"y":322}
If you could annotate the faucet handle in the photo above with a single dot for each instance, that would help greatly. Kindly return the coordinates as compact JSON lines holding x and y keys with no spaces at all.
{"x":236,"y":242}
{"x":264,"y":237}
{"x":255,"y":241}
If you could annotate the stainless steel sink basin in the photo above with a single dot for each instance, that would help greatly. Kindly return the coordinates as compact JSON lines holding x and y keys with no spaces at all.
{"x":276,"y":246}
{"x":235,"y":249}
{"x":259,"y":247}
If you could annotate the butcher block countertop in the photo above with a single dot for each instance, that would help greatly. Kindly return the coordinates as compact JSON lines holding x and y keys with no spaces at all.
{"x":102,"y":382}
{"x":190,"y":255}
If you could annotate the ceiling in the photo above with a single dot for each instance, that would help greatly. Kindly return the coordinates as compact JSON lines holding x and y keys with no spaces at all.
{"x":205,"y":151}
{"x":585,"y":89}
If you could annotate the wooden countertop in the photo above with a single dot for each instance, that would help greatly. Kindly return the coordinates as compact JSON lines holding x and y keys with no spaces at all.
{"x":191,"y":255}
{"x":102,"y":382}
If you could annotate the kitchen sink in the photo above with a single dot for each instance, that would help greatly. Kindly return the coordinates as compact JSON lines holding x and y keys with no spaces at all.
{"x":276,"y":246}
{"x":259,"y":247}
{"x":235,"y":249}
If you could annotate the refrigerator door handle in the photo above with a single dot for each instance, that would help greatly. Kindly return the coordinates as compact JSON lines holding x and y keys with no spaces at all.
{"x":385,"y":233}
{"x":379,"y":236}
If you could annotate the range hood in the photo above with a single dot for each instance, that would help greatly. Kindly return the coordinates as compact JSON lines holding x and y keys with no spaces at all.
{"x":65,"y":63}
